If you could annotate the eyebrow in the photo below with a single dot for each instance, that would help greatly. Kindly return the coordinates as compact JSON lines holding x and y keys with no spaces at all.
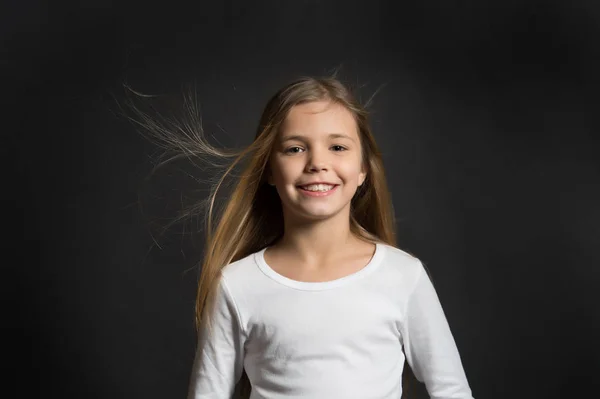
{"x":303,"y":138}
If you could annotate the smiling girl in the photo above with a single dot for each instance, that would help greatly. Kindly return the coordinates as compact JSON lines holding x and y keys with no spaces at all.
{"x":302,"y":292}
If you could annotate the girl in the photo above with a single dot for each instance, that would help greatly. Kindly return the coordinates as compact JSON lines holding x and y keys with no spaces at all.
{"x":302,"y":293}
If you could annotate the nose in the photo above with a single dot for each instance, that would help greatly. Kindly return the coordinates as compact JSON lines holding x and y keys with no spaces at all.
{"x":316,"y":162}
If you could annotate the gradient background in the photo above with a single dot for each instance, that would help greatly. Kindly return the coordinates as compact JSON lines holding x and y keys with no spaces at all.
{"x":488,"y":122}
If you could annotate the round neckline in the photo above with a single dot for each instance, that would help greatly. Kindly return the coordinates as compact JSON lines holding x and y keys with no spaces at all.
{"x":375,"y":260}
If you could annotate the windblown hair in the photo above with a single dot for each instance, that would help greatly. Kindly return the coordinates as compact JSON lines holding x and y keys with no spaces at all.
{"x":252,"y":215}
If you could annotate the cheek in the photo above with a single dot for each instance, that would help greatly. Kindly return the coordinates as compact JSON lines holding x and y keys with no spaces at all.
{"x":352,"y":172}
{"x":283,"y":171}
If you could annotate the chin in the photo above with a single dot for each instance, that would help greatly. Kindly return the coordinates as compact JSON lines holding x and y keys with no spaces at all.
{"x":316,"y":214}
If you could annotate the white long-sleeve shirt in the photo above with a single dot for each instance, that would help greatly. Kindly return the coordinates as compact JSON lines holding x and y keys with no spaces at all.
{"x":340,"y":339}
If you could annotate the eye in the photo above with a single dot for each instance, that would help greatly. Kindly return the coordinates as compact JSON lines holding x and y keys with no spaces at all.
{"x":339,"y":148}
{"x":293,"y":150}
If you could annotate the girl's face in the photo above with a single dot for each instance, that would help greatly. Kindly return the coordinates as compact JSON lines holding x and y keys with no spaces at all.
{"x":316,"y":163}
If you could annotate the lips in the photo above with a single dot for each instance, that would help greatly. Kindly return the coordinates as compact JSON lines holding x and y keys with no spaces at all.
{"x":317,"y":187}
{"x":318,"y":191}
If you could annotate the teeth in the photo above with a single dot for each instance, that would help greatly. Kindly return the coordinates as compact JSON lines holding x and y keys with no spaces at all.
{"x":318,"y":187}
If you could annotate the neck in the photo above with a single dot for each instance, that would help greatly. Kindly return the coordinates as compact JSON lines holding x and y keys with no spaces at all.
{"x":322,"y":239}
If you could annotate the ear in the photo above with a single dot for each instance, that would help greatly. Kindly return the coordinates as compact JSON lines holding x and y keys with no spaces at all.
{"x":362,"y":177}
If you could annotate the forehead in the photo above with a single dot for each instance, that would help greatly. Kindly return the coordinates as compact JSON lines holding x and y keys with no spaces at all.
{"x":320,"y":117}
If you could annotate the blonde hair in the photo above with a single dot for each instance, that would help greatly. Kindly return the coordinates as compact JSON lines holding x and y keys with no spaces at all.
{"x":252,"y":216}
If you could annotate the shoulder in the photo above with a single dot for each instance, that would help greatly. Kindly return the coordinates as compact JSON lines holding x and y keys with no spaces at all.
{"x":243,"y":281}
{"x":400,"y":259}
{"x":239,"y":269}
{"x":401,"y":265}
{"x":243,"y":276}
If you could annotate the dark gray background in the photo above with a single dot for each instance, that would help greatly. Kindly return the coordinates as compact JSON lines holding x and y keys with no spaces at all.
{"x":488,"y":122}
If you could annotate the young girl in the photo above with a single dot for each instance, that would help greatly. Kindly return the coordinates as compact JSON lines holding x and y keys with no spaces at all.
{"x":302,"y":292}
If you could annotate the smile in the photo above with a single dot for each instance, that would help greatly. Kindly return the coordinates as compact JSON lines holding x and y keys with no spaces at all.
{"x":318,"y":190}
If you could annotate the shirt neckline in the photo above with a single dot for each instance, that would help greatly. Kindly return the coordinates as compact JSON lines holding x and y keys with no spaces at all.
{"x":375,"y":260}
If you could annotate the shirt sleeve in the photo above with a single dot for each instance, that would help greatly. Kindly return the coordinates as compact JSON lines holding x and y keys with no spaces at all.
{"x":219,"y":358}
{"x":429,"y":346}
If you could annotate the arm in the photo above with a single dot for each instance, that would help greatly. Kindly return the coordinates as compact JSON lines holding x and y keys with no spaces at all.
{"x":429,"y":345}
{"x":218,"y":363}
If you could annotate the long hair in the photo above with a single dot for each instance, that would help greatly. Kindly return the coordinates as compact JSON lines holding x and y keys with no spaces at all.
{"x":251,"y":218}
